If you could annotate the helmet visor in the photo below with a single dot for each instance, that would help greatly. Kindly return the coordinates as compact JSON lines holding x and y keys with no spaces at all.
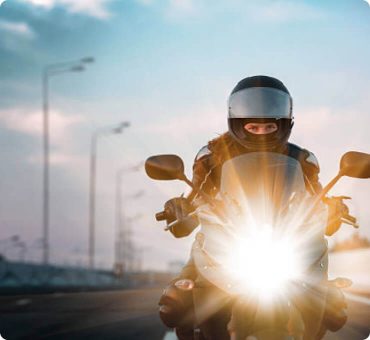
{"x":260,"y":102}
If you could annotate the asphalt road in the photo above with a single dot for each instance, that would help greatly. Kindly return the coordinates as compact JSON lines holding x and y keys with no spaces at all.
{"x":130,"y":314}
{"x":117,"y":315}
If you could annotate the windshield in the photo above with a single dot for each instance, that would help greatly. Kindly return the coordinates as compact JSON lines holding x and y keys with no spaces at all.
{"x":262,"y":205}
{"x":263,"y":183}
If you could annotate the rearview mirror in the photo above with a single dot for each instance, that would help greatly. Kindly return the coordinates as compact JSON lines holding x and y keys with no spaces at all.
{"x":165,"y":167}
{"x":355,"y":164}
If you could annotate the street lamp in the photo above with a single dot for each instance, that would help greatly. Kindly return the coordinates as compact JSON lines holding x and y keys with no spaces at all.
{"x":8,"y":242}
{"x":52,"y":70}
{"x":120,"y":235}
{"x":93,"y":150}
{"x":22,"y":250}
{"x":130,"y":252}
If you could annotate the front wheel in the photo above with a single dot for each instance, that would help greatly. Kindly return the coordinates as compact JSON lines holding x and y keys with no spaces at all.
{"x":279,"y":322}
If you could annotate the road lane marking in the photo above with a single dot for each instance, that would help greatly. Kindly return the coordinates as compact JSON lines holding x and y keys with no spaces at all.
{"x":170,"y":336}
{"x":23,"y":302}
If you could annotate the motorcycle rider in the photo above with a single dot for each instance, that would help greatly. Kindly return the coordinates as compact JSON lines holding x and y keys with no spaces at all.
{"x":260,"y":118}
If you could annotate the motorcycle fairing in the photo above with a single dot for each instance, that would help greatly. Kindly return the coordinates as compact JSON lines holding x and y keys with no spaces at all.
{"x":259,"y":189}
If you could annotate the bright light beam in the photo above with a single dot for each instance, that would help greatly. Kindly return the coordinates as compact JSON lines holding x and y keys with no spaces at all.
{"x":264,"y":264}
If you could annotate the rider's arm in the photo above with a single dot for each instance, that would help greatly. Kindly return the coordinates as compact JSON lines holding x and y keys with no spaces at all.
{"x":311,"y":170}
{"x":336,"y":211}
{"x":336,"y":208}
{"x":179,"y":208}
{"x":202,"y":168}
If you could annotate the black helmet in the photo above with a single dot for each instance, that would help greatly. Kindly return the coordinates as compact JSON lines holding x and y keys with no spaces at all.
{"x":260,"y":99}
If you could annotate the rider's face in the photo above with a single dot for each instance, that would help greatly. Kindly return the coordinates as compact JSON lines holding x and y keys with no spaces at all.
{"x":261,"y":128}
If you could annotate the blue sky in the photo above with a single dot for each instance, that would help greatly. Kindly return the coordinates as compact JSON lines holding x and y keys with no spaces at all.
{"x":168,"y":67}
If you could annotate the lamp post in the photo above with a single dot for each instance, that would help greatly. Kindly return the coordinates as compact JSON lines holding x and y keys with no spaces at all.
{"x":131,"y":252}
{"x":22,"y":250}
{"x":8,"y":242}
{"x":51,"y":70}
{"x":121,"y":239}
{"x":93,"y":152}
{"x":120,"y":234}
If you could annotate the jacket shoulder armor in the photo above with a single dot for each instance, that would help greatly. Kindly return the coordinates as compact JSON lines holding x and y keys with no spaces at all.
{"x":303,"y":155}
{"x":204,"y":151}
{"x":312,"y":159}
{"x":214,"y":149}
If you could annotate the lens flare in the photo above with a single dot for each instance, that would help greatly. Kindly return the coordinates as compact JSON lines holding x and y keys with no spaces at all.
{"x":264,"y":263}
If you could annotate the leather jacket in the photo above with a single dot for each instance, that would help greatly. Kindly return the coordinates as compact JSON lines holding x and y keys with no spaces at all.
{"x":207,"y":172}
{"x":209,"y":160}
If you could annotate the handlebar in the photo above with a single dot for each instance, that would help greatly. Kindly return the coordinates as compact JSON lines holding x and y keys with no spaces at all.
{"x":161,"y":216}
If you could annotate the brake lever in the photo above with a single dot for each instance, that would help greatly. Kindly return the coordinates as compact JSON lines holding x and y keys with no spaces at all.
{"x":351,"y":222}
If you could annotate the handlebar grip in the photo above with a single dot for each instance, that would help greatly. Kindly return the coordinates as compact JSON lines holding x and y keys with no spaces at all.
{"x":350,"y":218}
{"x":161,"y":216}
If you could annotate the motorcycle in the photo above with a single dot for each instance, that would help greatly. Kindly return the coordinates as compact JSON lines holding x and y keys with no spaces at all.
{"x":261,"y":246}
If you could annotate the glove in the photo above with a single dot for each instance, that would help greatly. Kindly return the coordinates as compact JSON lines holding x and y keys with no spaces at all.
{"x":337,"y":210}
{"x":179,"y":208}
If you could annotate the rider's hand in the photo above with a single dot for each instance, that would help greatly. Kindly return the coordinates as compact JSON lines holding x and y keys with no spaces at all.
{"x":177,"y":209}
{"x":337,"y":210}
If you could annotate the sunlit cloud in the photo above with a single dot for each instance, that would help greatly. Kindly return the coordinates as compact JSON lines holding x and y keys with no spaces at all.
{"x":21,"y":29}
{"x":145,"y":2}
{"x":59,"y":158}
{"x":283,"y":11}
{"x":30,"y":123}
{"x":94,"y":8}
{"x":321,"y":122}
{"x":202,"y":121}
{"x":60,"y":127}
{"x":182,"y":5}
{"x":260,"y":11}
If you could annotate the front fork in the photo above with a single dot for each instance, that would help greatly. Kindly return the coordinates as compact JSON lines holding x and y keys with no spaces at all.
{"x":282,"y":321}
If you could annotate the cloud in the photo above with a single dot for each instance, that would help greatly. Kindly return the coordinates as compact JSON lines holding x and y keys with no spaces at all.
{"x":182,"y":5}
{"x":59,"y":158}
{"x":283,"y":11}
{"x":21,"y":29}
{"x":328,"y":120}
{"x":202,"y":121}
{"x":30,"y":123}
{"x":145,"y":2}
{"x":94,"y":8}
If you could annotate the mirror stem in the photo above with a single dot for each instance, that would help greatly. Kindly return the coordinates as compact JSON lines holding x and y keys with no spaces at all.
{"x":206,"y":197}
{"x":326,"y":189}
{"x":322,"y":194}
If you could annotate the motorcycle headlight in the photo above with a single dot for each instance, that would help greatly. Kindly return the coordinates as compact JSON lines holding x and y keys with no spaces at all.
{"x":264,"y":264}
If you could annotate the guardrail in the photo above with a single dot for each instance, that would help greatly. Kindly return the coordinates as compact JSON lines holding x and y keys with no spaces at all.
{"x":17,"y":277}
